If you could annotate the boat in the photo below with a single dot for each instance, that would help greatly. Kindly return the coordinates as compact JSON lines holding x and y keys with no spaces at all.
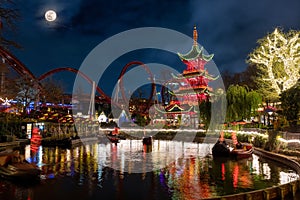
{"x":13,"y":166}
{"x":238,"y":151}
{"x":113,"y":138}
{"x":147,"y":140}
{"x":245,"y":151}
{"x":221,"y":149}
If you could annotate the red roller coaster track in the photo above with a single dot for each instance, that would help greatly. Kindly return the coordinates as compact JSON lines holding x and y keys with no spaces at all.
{"x":76,"y":71}
{"x":146,"y":68}
{"x":22,"y":70}
{"x":17,"y":65}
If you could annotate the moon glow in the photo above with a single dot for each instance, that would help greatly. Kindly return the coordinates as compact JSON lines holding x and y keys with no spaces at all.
{"x":50,"y":15}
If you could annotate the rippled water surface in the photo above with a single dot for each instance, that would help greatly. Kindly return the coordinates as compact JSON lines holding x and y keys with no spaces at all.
{"x":129,"y":170}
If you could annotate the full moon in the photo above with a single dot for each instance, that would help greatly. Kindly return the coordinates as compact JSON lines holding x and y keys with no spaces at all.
{"x":50,"y":15}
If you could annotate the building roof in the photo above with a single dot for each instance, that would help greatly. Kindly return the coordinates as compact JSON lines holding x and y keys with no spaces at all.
{"x":195,"y":52}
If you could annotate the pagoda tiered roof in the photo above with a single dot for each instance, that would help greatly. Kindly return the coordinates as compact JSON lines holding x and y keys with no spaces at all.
{"x":195,"y":53}
{"x":203,"y":73}
{"x":193,"y":89}
{"x":175,"y":108}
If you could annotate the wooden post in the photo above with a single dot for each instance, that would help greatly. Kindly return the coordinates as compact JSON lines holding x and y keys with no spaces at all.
{"x":282,"y":192}
{"x":266,"y":195}
{"x":248,"y":196}
{"x":293,"y":186}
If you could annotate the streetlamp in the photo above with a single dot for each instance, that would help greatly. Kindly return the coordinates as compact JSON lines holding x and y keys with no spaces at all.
{"x":270,"y":113}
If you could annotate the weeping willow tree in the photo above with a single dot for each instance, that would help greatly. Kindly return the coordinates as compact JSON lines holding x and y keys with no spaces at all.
{"x":277,"y":58}
{"x":254,"y":101}
{"x":241,"y":103}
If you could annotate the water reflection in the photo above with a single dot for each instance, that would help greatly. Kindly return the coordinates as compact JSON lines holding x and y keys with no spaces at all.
{"x":89,"y":172}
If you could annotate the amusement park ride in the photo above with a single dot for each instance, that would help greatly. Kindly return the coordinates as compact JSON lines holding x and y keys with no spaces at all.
{"x":180,"y":95}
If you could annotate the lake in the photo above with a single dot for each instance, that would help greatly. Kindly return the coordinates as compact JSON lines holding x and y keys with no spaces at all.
{"x":129,"y":170}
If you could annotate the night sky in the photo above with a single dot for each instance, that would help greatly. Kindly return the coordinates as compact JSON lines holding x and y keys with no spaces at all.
{"x":228,"y":29}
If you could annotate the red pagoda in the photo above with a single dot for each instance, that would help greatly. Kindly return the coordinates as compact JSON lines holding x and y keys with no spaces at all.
{"x":191,"y":87}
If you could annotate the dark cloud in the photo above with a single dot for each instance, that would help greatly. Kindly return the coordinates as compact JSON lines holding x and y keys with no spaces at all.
{"x":229,"y":29}
{"x":110,"y":17}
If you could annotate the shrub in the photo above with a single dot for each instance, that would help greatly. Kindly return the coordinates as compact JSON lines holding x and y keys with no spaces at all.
{"x":259,"y":141}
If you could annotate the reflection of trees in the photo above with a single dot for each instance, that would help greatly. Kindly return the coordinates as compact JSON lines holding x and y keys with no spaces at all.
{"x":266,"y":175}
{"x":274,"y":171}
{"x":192,"y":178}
{"x":189,"y":177}
{"x":79,"y":161}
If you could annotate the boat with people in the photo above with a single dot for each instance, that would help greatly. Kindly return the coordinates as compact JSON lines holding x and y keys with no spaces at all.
{"x":147,"y":140}
{"x":113,"y":136}
{"x":221,"y":149}
{"x":237,"y":151}
{"x":244,"y":151}
{"x":13,"y":166}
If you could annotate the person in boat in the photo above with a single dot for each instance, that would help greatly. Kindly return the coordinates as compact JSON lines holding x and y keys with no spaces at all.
{"x":221,"y":148}
{"x":222,"y":141}
{"x":239,"y":145}
{"x":17,"y":157}
{"x":11,"y":158}
{"x":115,"y":132}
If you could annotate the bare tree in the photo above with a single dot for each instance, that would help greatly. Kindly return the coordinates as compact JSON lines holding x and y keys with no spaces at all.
{"x":27,"y":91}
{"x":52,"y":92}
{"x":8,"y":17}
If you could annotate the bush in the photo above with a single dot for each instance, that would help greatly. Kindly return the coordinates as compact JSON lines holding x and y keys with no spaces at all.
{"x":243,"y":138}
{"x":259,"y":141}
{"x":272,"y":142}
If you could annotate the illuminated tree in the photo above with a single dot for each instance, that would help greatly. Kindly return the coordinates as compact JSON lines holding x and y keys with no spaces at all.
{"x":277,"y":59}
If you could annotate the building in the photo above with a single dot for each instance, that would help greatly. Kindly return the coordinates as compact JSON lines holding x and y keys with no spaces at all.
{"x":186,"y":93}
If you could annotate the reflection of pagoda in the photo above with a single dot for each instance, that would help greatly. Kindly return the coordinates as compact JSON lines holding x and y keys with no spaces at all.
{"x":187,"y":90}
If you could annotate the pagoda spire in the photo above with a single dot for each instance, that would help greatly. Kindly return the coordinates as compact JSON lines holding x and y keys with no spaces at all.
{"x":195,"y":36}
{"x":196,"y":52}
